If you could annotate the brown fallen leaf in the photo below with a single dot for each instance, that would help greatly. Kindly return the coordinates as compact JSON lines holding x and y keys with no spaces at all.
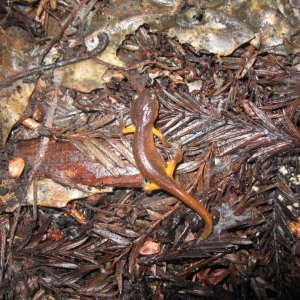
{"x":15,"y":50}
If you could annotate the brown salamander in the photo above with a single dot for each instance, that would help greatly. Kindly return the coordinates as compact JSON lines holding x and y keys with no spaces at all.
{"x":144,"y":112}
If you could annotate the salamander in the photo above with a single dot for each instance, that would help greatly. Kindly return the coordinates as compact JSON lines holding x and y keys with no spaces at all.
{"x":144,"y":112}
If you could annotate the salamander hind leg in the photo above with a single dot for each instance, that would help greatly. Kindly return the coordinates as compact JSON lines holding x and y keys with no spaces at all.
{"x":163,"y":140}
{"x":171,"y":165}
{"x":149,"y":187}
{"x":128,"y":129}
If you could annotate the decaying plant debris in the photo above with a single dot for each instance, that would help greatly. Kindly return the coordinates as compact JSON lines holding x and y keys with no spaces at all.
{"x":235,"y":117}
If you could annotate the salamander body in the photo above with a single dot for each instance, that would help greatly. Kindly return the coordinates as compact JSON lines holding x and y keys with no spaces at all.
{"x":144,"y":112}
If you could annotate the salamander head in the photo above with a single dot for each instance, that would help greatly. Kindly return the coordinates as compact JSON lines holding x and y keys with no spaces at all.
{"x":144,"y":110}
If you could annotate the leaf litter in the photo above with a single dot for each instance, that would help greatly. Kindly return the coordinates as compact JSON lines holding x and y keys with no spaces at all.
{"x":234,"y":113}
